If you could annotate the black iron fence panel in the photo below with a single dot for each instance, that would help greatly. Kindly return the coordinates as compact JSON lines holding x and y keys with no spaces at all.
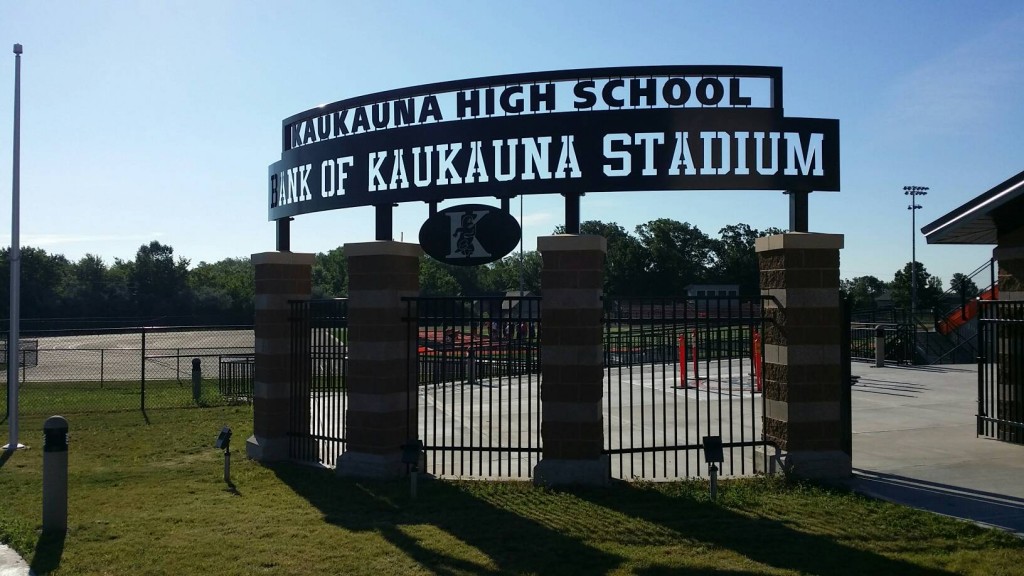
{"x":140,"y":368}
{"x":898,"y":341}
{"x":319,"y":352}
{"x":477,"y":366}
{"x":1001,"y":371}
{"x":679,"y":370}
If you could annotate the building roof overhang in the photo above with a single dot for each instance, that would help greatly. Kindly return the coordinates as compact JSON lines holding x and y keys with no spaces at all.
{"x":980,"y":219}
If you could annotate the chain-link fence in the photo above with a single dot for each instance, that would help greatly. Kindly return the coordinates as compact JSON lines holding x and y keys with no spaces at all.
{"x":132,"y":369}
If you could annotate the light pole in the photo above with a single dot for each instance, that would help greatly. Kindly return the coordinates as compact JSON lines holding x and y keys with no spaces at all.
{"x":14,"y":257}
{"x":914,"y":192}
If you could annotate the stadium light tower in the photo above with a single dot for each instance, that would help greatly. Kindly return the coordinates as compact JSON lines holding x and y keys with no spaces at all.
{"x":913,"y":192}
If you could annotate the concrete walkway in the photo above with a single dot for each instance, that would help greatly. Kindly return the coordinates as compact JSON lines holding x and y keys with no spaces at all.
{"x":915,"y":443}
{"x":11,"y":564}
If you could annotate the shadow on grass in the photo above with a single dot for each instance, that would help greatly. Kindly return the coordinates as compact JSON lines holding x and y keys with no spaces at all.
{"x":49,"y":550}
{"x":5,"y":456}
{"x":513,"y":543}
{"x":767,"y":541}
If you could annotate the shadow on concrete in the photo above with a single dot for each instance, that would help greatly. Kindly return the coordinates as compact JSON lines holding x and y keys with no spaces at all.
{"x":49,"y":550}
{"x":998,"y":510}
{"x":515,"y":544}
{"x":934,"y":368}
{"x":770,"y":542}
{"x":888,"y":387}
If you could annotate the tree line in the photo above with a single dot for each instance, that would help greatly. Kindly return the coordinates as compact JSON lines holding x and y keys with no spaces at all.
{"x":660,"y":258}
{"x":865,"y":292}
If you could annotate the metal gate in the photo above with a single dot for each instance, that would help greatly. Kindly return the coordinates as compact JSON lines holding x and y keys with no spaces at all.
{"x":678,"y":370}
{"x":319,"y":352}
{"x":1001,"y":370}
{"x":477,"y":364}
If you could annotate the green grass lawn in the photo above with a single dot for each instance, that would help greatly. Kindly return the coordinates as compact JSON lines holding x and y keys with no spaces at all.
{"x":72,"y":397}
{"x":150,"y":499}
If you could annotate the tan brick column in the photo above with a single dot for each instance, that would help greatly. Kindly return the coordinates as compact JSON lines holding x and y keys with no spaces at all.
{"x":800,"y":274}
{"x":1009,"y":376}
{"x":381,"y":344}
{"x":280,"y":277}
{"x":572,"y":369}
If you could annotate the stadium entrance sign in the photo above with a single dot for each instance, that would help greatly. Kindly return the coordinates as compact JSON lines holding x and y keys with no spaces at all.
{"x":611,"y":129}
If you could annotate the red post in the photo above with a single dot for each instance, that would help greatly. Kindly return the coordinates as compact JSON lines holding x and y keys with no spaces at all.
{"x":756,"y":359}
{"x":696,"y":366}
{"x":682,"y":361}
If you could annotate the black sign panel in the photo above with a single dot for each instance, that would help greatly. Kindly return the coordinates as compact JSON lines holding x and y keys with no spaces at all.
{"x":469,"y":234}
{"x":619,"y":129}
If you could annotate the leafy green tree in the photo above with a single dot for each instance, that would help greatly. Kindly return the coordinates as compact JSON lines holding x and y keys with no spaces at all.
{"x":505,"y":272}
{"x":330,"y":274}
{"x":160,"y":281}
{"x":677,"y":254}
{"x":224,"y":289}
{"x":736,"y":258}
{"x":43,"y":282}
{"x":863,"y":291}
{"x":963,"y":286}
{"x":929,"y":288}
{"x":89,"y":289}
{"x":436,"y":280}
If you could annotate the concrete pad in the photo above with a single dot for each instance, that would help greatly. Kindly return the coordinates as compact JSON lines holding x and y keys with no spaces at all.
{"x":915,"y":442}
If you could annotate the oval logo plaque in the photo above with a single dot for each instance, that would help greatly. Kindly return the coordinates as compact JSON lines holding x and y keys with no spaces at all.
{"x":469,"y":234}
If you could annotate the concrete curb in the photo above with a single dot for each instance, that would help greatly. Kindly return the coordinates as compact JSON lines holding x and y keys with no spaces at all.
{"x":11,"y":564}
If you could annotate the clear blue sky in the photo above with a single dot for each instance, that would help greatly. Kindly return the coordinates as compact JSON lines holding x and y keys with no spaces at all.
{"x":157,"y":120}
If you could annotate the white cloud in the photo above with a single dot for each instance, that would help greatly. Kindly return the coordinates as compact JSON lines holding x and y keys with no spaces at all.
{"x":43,"y":240}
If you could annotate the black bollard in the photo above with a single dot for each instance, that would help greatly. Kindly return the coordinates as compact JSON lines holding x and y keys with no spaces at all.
{"x":55,"y":475}
{"x":197,"y":379}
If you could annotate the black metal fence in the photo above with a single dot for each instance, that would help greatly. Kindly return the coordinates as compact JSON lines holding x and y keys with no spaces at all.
{"x":898,"y":339}
{"x":477,"y":362}
{"x":678,"y":370}
{"x":1001,"y":371}
{"x":129,"y":369}
{"x":319,"y":351}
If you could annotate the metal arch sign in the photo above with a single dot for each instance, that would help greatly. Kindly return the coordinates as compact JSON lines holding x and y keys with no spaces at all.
{"x":592,"y":130}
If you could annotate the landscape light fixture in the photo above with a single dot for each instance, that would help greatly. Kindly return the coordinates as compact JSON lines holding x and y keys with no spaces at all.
{"x":224,"y":441}
{"x":913,"y":192}
{"x":412,"y":452}
{"x":713,"y":455}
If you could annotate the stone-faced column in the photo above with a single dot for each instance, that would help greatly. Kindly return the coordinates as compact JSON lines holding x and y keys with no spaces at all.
{"x":802,"y":355}
{"x":380,"y":378}
{"x":1011,"y":271}
{"x":1010,"y":366}
{"x":572,"y":368}
{"x":280,"y":277}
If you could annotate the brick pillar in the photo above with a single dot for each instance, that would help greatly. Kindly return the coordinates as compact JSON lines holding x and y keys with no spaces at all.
{"x":572,"y":369}
{"x":280,"y":277}
{"x":803,"y":372}
{"x":380,"y":379}
{"x":1009,"y":363}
